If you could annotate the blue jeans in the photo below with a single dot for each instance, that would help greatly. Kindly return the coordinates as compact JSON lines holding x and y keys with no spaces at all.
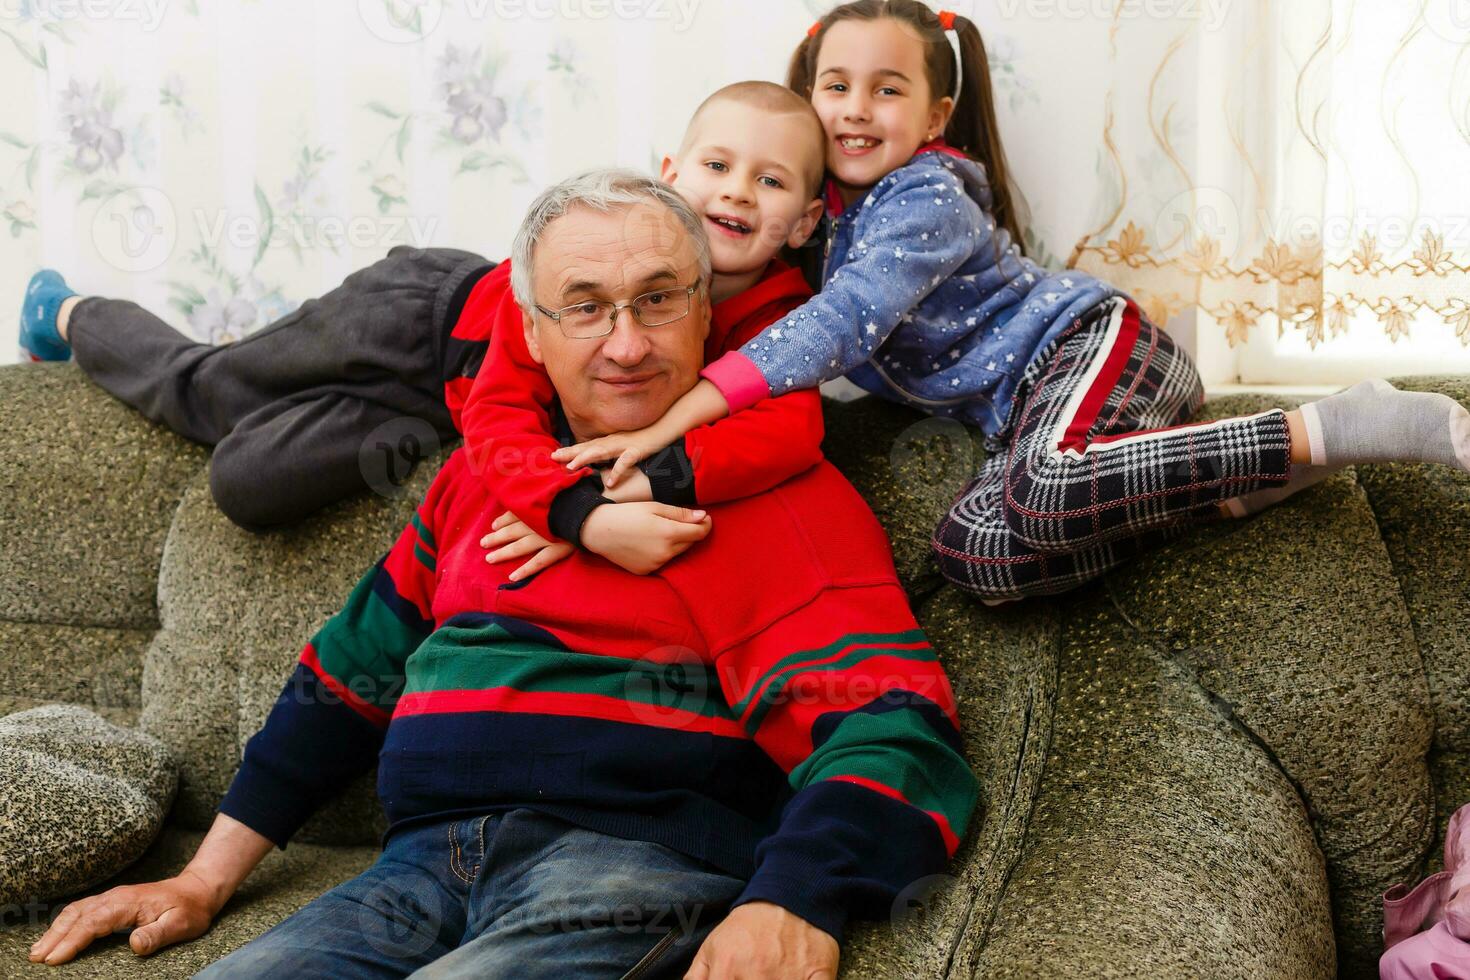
{"x":510,"y":894}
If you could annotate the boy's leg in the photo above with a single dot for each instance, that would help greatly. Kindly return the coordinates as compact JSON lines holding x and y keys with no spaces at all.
{"x":407,"y":910}
{"x":292,"y":458}
{"x":553,"y":900}
{"x":378,"y":327}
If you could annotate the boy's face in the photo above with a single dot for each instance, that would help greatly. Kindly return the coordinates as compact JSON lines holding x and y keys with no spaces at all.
{"x":747,"y":173}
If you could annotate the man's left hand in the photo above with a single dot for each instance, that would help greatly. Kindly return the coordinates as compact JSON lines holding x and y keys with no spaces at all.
{"x":763,"y":941}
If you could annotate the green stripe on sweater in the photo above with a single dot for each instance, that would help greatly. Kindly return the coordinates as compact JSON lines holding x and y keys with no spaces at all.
{"x":807,"y":656}
{"x":775,"y":693}
{"x":456,"y":659}
{"x":898,"y":749}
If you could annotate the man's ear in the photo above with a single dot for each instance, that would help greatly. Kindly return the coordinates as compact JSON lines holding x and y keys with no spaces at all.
{"x":666,"y":171}
{"x":806,"y":224}
{"x":528,"y":327}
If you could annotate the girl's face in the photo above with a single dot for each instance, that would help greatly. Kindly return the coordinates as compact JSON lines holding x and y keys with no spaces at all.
{"x":872,"y":94}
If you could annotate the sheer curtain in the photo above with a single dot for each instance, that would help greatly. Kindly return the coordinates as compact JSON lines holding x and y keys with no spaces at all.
{"x":1293,"y":179}
{"x":219,"y":161}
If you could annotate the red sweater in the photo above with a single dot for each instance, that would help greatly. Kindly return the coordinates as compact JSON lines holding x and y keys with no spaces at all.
{"x":765,"y":701}
{"x":504,"y":411}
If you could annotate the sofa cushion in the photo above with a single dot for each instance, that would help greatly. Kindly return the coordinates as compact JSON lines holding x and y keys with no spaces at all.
{"x":1294,"y":623}
{"x":88,"y":488}
{"x":909,"y":467}
{"x":80,"y":799}
{"x":236,"y":609}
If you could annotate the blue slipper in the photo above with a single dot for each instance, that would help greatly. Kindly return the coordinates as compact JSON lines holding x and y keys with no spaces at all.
{"x":39,"y":339}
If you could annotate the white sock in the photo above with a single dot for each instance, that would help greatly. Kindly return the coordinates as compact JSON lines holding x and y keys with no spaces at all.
{"x":1303,"y":475}
{"x":1374,"y":422}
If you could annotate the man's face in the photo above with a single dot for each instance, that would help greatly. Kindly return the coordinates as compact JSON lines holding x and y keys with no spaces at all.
{"x":627,"y":379}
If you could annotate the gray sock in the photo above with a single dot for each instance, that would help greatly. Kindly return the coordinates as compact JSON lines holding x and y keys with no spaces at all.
{"x":1374,"y":422}
{"x":1303,"y":475}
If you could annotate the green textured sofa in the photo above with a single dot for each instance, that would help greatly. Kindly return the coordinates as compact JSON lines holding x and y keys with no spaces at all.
{"x":1208,"y":763}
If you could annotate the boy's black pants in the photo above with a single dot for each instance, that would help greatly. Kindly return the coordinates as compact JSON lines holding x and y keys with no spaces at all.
{"x":297,"y":411}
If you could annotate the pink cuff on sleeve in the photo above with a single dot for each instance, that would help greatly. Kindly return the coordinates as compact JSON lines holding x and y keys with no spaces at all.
{"x":738,"y":379}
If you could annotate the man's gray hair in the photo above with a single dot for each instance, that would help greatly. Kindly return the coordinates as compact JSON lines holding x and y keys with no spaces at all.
{"x":601,"y":190}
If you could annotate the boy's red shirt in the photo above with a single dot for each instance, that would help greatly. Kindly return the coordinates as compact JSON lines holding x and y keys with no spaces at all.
{"x":504,"y":411}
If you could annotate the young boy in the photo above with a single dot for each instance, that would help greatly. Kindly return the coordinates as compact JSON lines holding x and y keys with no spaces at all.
{"x":295,"y":409}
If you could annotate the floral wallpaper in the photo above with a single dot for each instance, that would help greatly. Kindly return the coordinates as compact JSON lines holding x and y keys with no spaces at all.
{"x":220,"y":161}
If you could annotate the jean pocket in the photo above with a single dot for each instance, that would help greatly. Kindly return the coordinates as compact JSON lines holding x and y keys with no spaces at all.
{"x":656,"y":963}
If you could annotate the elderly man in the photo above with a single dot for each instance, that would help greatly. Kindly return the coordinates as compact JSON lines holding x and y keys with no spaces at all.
{"x":591,"y":772}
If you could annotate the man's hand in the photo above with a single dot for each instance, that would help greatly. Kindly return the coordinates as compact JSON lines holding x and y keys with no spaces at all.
{"x":641,"y":537}
{"x":511,"y":538}
{"x":760,"y":940}
{"x":160,"y":913}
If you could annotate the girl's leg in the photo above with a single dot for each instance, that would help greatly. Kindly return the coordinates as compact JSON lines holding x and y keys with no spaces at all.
{"x":1103,"y":450}
{"x":977,"y":550}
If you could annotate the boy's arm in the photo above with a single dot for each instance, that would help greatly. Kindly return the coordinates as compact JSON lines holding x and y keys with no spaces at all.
{"x":327,"y":726}
{"x":507,"y":433}
{"x":747,"y":453}
{"x":862,"y":719}
{"x":915,"y":235}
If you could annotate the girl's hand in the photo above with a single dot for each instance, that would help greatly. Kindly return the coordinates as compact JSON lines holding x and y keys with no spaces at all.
{"x":628,"y":448}
{"x":635,"y":488}
{"x":511,"y":538}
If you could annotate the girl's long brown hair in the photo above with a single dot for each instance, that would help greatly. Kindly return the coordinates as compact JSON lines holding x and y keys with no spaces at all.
{"x":972,"y":128}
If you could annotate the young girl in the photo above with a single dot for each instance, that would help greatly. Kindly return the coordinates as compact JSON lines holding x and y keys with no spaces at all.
{"x":927,"y":300}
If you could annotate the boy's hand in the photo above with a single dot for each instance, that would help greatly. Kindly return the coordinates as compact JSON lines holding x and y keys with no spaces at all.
{"x":628,"y":448}
{"x":511,"y":538}
{"x":642,"y":537}
{"x":635,"y":488}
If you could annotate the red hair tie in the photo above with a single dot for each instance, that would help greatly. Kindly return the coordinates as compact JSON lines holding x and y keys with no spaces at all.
{"x":946,"y":19}
{"x":814,"y":30}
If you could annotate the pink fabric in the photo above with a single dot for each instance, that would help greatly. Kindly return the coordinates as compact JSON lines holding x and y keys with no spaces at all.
{"x":1426,"y":929}
{"x":738,"y":379}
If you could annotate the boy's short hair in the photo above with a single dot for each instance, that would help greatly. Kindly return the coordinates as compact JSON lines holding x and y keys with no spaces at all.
{"x":779,"y":100}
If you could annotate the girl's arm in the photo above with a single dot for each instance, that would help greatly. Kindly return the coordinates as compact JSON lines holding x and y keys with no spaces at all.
{"x":920,"y":228}
{"x":748,"y":453}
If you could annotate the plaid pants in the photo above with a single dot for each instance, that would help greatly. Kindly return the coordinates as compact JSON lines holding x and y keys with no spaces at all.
{"x":1101,"y":465}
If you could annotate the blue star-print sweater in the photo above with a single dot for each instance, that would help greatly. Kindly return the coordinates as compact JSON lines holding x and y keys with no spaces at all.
{"x":915,"y":306}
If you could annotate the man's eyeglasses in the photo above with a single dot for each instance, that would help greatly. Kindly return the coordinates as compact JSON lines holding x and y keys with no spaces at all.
{"x":591,"y":319}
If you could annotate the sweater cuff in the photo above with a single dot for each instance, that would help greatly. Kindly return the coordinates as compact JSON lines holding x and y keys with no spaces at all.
{"x":570,"y":507}
{"x":259,"y":802}
{"x":738,"y":379}
{"x":671,"y":475}
{"x":795,"y":894}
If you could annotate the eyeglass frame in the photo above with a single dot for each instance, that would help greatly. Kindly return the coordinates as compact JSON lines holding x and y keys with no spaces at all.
{"x":612,"y":320}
